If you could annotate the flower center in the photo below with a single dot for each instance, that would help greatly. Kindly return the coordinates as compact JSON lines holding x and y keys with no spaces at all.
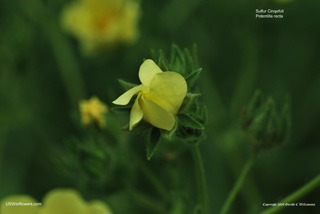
{"x":102,"y":21}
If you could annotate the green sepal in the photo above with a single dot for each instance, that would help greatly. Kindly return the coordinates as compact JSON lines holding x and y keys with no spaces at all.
{"x":143,"y":128}
{"x":188,"y":102}
{"x":162,"y":62}
{"x":177,"y":54}
{"x":126,"y":85}
{"x":251,"y":110}
{"x":189,"y":122}
{"x":193,"y":77}
{"x":177,"y":61}
{"x":204,"y":115}
{"x":169,"y":135}
{"x":285,"y":122}
{"x":125,"y":127}
{"x":189,"y":135}
{"x":263,"y":125}
{"x":153,"y":142}
{"x":190,"y":65}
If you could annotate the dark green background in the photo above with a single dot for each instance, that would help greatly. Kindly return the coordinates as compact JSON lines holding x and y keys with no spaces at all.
{"x":40,"y":65}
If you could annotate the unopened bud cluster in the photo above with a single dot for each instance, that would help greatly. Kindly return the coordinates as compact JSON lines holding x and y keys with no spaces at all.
{"x":263,"y":125}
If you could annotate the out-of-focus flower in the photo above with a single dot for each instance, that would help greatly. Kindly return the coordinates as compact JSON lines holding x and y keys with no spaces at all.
{"x":93,"y":110}
{"x":159,"y":96}
{"x":67,"y":201}
{"x":101,"y":24}
{"x":21,"y":204}
{"x":58,"y":201}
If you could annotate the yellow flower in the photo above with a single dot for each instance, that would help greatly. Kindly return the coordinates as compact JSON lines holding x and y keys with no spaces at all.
{"x":93,"y":110}
{"x":58,"y":201}
{"x":100,"y":24}
{"x":159,"y":96}
{"x":23,"y":205}
{"x":67,"y":201}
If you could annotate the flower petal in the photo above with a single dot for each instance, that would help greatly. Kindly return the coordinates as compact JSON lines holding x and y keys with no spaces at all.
{"x":98,"y":207}
{"x":125,"y":98}
{"x":156,"y":115}
{"x":147,"y":71}
{"x":136,"y":113}
{"x":63,"y":201}
{"x":168,"y":89}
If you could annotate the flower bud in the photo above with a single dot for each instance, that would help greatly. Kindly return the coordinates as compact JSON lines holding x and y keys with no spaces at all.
{"x":263,"y":125}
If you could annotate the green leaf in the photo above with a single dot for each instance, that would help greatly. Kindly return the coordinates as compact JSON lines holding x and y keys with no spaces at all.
{"x":193,"y":77}
{"x":190,"y":122}
{"x":153,"y":142}
{"x":126,"y":85}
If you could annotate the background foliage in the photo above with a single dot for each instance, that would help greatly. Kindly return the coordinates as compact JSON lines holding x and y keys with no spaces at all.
{"x":43,"y":76}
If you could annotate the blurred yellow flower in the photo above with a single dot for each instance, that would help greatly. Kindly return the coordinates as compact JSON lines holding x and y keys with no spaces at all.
{"x":100,"y":24}
{"x":21,"y":204}
{"x":58,"y":201}
{"x":93,"y":110}
{"x":67,"y":201}
{"x":159,"y":96}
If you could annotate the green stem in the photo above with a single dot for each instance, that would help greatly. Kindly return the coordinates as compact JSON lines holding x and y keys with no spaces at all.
{"x":201,"y":179}
{"x":238,"y":185}
{"x":313,"y":184}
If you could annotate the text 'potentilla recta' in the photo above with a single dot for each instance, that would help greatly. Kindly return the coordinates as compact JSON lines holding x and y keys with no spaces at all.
{"x":269,"y":13}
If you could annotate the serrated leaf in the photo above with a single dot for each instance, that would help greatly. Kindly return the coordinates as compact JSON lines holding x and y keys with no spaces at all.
{"x":193,"y":77}
{"x":153,"y":142}
{"x":190,"y":122}
{"x":126,"y":85}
